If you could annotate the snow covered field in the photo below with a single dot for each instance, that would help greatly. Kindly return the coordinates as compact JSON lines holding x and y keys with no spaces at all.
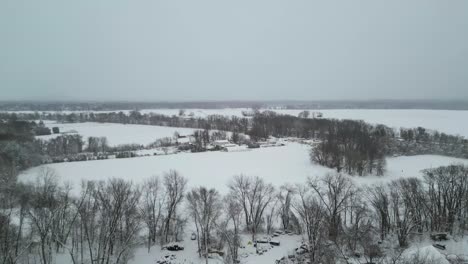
{"x":277,"y":165}
{"x":118,"y":133}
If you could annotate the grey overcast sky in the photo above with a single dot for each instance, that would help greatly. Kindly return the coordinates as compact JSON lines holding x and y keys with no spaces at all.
{"x":224,"y":50}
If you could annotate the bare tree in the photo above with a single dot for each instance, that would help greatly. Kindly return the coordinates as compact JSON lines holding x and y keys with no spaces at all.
{"x":14,"y":204}
{"x":239,"y":188}
{"x":379,"y":199}
{"x":109,"y":221}
{"x":313,"y":217}
{"x":334,"y":191}
{"x":402,"y":215}
{"x":205,"y":207}
{"x":358,"y":226}
{"x":271,"y":214}
{"x":254,"y":195}
{"x":285,"y":196}
{"x":447,"y":193}
{"x":233,"y":212}
{"x":175,"y":186}
{"x":151,"y":207}
{"x":44,"y":210}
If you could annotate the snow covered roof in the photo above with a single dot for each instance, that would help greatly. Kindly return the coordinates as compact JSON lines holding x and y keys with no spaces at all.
{"x":221,"y":142}
{"x":183,"y":140}
{"x":234,"y":147}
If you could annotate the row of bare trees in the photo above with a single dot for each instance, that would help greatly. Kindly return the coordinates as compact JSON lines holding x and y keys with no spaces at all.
{"x":338,"y":218}
{"x":102,"y":223}
{"x":105,"y":221}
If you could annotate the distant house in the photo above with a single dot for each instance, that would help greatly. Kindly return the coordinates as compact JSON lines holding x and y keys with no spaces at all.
{"x":248,"y":113}
{"x":311,"y":142}
{"x":184,"y":140}
{"x":317,"y":114}
{"x":272,"y":140}
{"x":234,"y":148}
{"x":221,"y":142}
{"x":72,"y":131}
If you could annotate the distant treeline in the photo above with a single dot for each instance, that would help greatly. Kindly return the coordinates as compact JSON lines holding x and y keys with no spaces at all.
{"x":108,"y":220}
{"x":352,"y":146}
{"x":18,"y":149}
{"x":420,"y":141}
{"x":288,"y":104}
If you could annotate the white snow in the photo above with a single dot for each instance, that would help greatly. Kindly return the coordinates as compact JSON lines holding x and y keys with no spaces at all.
{"x":409,"y":166}
{"x":189,"y":255}
{"x":428,"y":254}
{"x":277,"y":165}
{"x":118,"y":133}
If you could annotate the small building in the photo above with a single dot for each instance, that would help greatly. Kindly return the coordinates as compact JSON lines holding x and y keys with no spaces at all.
{"x":312,"y":142}
{"x":221,"y":142}
{"x":183,"y":140}
{"x":234,"y":148}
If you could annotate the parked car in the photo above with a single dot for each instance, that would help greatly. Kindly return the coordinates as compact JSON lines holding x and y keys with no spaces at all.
{"x":439,"y":236}
{"x":173,"y":247}
{"x":274,"y":243}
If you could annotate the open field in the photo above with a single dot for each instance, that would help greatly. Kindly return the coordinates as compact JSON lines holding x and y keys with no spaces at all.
{"x":277,"y":165}
{"x":118,"y":133}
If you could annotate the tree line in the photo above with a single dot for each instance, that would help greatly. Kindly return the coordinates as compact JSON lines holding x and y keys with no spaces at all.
{"x":419,"y":141}
{"x":105,"y":221}
{"x":352,"y":146}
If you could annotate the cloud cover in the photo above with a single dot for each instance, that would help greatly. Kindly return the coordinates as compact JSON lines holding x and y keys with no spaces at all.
{"x":222,"y":50}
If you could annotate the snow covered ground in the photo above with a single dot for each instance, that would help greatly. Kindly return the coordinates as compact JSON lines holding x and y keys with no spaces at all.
{"x":190,"y":256}
{"x":277,"y":165}
{"x":118,"y":133}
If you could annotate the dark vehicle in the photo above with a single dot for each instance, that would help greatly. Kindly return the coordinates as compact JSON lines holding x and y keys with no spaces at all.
{"x":274,"y":243}
{"x":439,"y":246}
{"x":174,"y":247}
{"x":439,"y":236}
{"x":253,"y":145}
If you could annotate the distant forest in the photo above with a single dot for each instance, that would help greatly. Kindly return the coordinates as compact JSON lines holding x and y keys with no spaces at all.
{"x":350,"y":146}
{"x":285,"y":104}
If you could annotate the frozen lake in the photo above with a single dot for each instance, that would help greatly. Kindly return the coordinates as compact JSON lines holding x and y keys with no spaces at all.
{"x":277,"y":165}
